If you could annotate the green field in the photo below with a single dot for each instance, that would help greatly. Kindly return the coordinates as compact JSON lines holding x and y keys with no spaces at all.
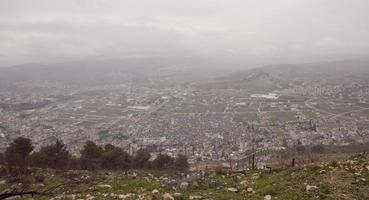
{"x":365,"y":113}
{"x":251,"y":108}
{"x":283,"y":116}
{"x":336,"y":109}
{"x":245,"y":117}
{"x":269,"y":108}
{"x":201,"y":108}
{"x":310,"y":114}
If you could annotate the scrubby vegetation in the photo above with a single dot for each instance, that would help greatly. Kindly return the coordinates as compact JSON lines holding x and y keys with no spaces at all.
{"x":110,"y":173}
{"x":347,"y":178}
{"x":93,"y":157}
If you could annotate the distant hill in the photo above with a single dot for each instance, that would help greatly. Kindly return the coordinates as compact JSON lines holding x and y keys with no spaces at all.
{"x":278,"y":76}
{"x":87,"y":72}
{"x":177,"y":70}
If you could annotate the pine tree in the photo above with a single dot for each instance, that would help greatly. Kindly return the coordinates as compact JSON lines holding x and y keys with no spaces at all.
{"x":17,"y":153}
{"x":91,"y":156}
{"x":141,"y":159}
{"x":54,"y":156}
{"x":181,"y":163}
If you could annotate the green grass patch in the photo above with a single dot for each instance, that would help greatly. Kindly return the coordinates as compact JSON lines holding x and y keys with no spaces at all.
{"x":283,"y":116}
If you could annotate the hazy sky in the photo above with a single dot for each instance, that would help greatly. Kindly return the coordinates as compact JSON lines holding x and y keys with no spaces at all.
{"x":258,"y":30}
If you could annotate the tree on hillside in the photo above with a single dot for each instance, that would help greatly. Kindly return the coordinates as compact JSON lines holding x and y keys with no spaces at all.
{"x":181,"y":163}
{"x":141,"y":159}
{"x":318,"y":149}
{"x":163,"y":161}
{"x":91,"y":156}
{"x":115,"y":158}
{"x":2,"y":159}
{"x":17,"y":153}
{"x":54,"y":156}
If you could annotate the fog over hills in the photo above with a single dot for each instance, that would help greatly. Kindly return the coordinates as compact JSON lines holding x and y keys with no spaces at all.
{"x":123,"y":71}
{"x":280,"y":75}
{"x":194,"y":99}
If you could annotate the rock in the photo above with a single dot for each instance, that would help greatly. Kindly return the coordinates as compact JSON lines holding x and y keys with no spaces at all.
{"x":177,"y":195}
{"x":2,"y":182}
{"x":60,"y":196}
{"x":196,"y":197}
{"x":104,"y":186}
{"x":140,"y":190}
{"x":195,"y":184}
{"x":311,"y":187}
{"x":183,"y":186}
{"x":268,"y":197}
{"x":232,"y":189}
{"x":112,"y":194}
{"x":105,"y":194}
{"x":89,"y":197}
{"x":367,"y":167}
{"x":244,"y":183}
{"x":155,"y":194}
{"x":255,"y":176}
{"x":250,"y":190}
{"x":168,"y":196}
{"x":126,"y":196}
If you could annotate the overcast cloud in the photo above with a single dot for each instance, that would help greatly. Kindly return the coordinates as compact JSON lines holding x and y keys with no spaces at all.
{"x":47,"y":31}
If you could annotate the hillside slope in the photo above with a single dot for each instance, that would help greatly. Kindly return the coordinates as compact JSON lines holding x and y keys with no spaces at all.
{"x":345,"y":179}
{"x":272,"y":77}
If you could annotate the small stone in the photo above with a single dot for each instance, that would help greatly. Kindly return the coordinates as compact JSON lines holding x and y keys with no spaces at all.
{"x":268,"y":197}
{"x":104,"y":186}
{"x":250,"y":190}
{"x":155,"y":194}
{"x":183,"y":186}
{"x":311,"y":187}
{"x":196,"y":197}
{"x":255,"y":176}
{"x":232,"y":189}
{"x":89,"y":197}
{"x":177,"y":195}
{"x":126,"y":196}
{"x":168,"y":196}
{"x":244,"y":183}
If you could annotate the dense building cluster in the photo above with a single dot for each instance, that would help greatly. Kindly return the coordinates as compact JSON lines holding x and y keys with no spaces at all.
{"x":216,"y":124}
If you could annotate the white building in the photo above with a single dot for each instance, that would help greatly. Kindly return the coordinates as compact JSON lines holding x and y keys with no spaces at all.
{"x":265,"y":96}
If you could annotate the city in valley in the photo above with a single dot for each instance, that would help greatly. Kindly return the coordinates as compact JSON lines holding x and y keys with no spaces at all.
{"x":272,"y":112}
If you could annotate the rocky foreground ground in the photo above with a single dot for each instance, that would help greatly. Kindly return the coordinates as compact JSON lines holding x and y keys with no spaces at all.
{"x":344,"y":179}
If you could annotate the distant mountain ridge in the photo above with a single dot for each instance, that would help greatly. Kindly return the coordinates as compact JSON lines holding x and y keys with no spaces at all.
{"x":277,"y":76}
{"x":181,"y":69}
{"x":94,"y":71}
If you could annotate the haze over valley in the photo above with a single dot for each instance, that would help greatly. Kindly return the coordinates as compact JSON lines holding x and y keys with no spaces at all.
{"x":196,"y":99}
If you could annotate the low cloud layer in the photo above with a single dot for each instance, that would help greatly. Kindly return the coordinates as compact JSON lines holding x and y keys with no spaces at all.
{"x":47,"y":31}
